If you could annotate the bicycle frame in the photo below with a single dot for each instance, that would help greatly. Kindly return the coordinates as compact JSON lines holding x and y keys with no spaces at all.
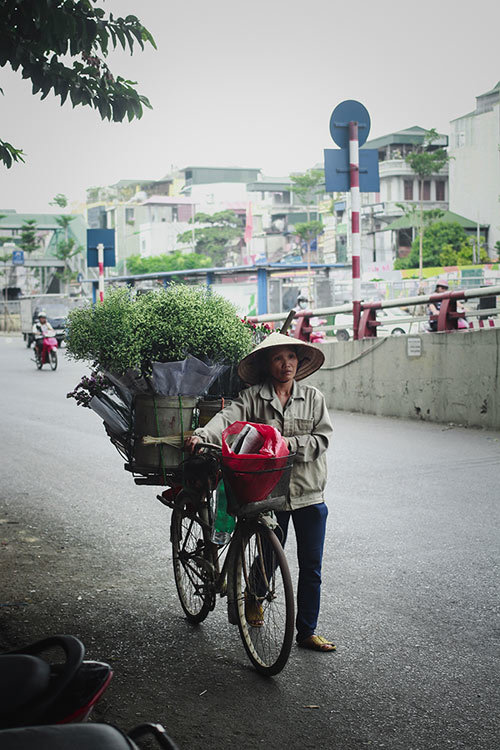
{"x":223,"y":580}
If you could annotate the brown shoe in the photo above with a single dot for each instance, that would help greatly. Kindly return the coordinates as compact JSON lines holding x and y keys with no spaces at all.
{"x":254,"y":613}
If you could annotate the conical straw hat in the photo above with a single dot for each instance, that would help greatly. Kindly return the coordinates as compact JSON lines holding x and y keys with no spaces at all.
{"x":252,"y":368}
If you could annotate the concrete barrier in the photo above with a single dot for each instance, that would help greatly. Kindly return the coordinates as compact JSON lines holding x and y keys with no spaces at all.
{"x":440,"y":377}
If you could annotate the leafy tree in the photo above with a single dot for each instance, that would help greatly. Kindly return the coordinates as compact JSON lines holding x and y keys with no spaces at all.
{"x":308,"y":230}
{"x":66,"y":248}
{"x":59,"y":200}
{"x":464,"y":257}
{"x":441,"y":243}
{"x":212,"y":241}
{"x":40,"y":38}
{"x":29,"y":240}
{"x":176,"y":261}
{"x":425,"y":162}
{"x":308,"y":187}
{"x":5,"y":238}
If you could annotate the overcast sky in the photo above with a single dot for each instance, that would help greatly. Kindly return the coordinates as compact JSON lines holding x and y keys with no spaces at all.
{"x":253,"y":84}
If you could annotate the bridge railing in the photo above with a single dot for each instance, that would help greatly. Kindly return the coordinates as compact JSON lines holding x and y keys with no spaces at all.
{"x":447,"y":317}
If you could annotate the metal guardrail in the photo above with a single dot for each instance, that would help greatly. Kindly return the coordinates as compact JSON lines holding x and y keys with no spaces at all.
{"x":447,"y":320}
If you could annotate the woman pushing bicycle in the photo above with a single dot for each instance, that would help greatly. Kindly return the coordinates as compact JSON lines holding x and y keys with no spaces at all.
{"x":299,"y":412}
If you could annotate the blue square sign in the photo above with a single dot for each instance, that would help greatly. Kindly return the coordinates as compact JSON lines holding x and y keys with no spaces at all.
{"x":18,"y":257}
{"x":337,"y":178}
{"x":96,"y":237}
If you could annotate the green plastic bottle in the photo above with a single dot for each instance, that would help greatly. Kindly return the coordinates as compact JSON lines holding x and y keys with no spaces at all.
{"x":224,"y":523}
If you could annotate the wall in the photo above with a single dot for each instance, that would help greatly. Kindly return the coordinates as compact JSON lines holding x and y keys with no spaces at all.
{"x":475,"y":170}
{"x":455,"y":379}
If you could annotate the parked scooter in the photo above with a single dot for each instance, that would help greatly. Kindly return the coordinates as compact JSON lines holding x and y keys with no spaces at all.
{"x":48,"y":353}
{"x":43,"y":702}
{"x":36,"y":688}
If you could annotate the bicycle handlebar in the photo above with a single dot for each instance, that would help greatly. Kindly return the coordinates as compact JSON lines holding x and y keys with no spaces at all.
{"x":198,"y":446}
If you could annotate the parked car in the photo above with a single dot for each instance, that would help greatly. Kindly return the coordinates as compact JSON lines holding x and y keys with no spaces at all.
{"x":393,"y":322}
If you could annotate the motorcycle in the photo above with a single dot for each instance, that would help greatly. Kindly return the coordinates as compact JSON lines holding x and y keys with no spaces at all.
{"x":44,"y":702}
{"x":37,"y":689}
{"x":48,"y":353}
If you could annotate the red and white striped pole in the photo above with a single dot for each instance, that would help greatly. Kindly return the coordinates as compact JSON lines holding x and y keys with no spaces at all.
{"x":100,"y":262}
{"x":355,"y":235}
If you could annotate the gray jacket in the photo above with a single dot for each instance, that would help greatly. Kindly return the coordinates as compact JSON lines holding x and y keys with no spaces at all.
{"x":304,"y":422}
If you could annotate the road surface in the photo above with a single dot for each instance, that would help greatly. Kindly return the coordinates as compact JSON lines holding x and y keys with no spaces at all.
{"x":410,"y":588}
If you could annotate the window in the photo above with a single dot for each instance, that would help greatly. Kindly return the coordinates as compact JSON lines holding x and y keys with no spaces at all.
{"x":440,"y":190}
{"x":426,"y":196}
{"x":129,"y":215}
{"x":408,"y":190}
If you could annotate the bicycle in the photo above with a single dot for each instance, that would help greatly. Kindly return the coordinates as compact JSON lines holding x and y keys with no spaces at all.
{"x":251,"y":569}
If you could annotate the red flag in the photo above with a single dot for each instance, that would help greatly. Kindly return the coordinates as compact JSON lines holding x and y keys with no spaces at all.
{"x":248,"y":225}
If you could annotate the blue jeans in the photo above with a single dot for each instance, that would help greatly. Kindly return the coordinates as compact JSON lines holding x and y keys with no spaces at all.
{"x":310,"y":527}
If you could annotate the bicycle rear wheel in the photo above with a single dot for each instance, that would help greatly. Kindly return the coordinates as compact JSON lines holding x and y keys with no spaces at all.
{"x":263,"y":584}
{"x":191,"y":560}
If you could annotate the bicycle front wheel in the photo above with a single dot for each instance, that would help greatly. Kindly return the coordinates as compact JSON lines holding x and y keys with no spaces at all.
{"x":264,"y":598}
{"x":191,"y":560}
{"x":53,"y":360}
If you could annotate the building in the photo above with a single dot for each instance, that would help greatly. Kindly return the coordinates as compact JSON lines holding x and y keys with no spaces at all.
{"x":163,"y":219}
{"x":42,"y":270}
{"x":475,"y":166}
{"x":399,"y":192}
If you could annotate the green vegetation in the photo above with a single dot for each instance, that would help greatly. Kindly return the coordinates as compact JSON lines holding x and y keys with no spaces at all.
{"x":168,"y":262}
{"x":40,"y":38}
{"x":66,"y":249}
{"x":126,"y":332}
{"x":426,"y":162}
{"x":29,"y":241}
{"x":442,"y":244}
{"x":212,"y":241}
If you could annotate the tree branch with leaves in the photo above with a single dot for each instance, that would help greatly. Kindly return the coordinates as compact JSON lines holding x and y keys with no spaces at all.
{"x":308,"y":187}
{"x":38,"y":36}
{"x":425,"y":162}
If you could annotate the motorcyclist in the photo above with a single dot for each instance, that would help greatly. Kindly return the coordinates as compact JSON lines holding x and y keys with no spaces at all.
{"x":41,"y":329}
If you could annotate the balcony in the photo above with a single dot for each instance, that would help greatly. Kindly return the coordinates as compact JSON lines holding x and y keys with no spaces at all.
{"x":399,"y":168}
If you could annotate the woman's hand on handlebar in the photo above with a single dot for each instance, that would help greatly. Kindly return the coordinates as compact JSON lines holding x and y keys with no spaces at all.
{"x":191,"y":442}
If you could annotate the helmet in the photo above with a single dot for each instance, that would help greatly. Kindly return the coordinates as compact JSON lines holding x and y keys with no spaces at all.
{"x":42,"y":314}
{"x":442,"y":282}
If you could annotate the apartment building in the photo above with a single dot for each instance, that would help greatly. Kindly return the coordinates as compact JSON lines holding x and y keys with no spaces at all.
{"x":475,"y":166}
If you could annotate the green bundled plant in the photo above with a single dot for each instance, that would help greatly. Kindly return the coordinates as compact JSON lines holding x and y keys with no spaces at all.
{"x":127,"y":332}
{"x":105,"y":333}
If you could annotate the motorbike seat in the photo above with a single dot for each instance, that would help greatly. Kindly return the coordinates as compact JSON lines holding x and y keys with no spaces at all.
{"x":23,"y":678}
{"x":66,"y":737}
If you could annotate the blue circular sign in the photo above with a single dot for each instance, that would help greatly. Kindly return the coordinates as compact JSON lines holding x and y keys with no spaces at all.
{"x":349,"y":111}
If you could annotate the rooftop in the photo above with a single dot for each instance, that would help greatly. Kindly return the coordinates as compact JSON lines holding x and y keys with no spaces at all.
{"x":13,"y":220}
{"x":412,"y":136}
{"x":404,"y":222}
